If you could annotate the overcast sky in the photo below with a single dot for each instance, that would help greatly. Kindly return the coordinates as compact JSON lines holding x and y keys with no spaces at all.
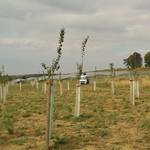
{"x":29,"y":32}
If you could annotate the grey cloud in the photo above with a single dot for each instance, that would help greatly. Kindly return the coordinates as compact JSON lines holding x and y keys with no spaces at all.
{"x":82,"y":6}
{"x":30,"y":29}
{"x":72,"y":6}
{"x":21,"y":10}
{"x":142,"y":5}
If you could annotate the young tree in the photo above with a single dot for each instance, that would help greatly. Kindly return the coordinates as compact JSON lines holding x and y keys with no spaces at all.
{"x":80,"y":71}
{"x":83,"y":50}
{"x":112,"y":76}
{"x":112,"y":68}
{"x":132,"y":62}
{"x":147,"y":59}
{"x":51,"y":70}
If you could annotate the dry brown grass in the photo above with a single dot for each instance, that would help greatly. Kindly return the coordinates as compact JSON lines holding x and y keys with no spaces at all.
{"x":105,"y":123}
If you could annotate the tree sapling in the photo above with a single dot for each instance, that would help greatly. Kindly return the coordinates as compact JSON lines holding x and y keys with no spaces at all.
{"x":51,"y":70}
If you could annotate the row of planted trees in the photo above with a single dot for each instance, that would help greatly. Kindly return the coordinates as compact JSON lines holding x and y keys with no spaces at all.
{"x":49,"y":85}
{"x":133,"y":63}
{"x":78,"y":85}
{"x":134,"y":84}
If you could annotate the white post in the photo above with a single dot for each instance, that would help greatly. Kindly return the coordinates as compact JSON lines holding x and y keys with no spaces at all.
{"x":20,"y":85}
{"x":131,"y":89}
{"x":78,"y":108}
{"x":113,"y":87}
{"x":133,"y":92}
{"x":45,"y":88}
{"x":1,"y":91}
{"x":61,"y":88}
{"x":51,"y":109}
{"x":7,"y":88}
{"x":77,"y":102}
{"x":94,"y":85}
{"x":50,"y":113}
{"x":37,"y":85}
{"x":75,"y":112}
{"x":137,"y":89}
{"x":68,"y":85}
{"x":42,"y":84}
{"x":4,"y":94}
{"x":32,"y":83}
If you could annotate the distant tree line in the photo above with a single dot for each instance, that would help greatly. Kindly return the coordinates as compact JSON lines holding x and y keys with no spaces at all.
{"x":135,"y":60}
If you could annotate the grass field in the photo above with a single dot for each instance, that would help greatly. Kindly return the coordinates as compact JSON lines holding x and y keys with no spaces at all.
{"x":105,"y":122}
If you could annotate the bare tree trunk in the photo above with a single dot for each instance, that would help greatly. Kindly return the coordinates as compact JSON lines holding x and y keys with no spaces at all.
{"x":77,"y":102}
